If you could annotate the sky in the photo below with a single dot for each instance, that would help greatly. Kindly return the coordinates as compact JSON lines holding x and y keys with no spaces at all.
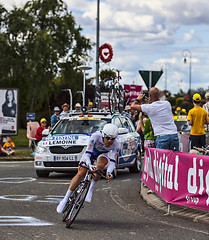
{"x":148,"y":35}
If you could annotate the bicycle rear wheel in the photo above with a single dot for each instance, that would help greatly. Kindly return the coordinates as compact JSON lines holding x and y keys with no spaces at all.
{"x":120,"y":96}
{"x":112,"y":100}
{"x":77,"y":203}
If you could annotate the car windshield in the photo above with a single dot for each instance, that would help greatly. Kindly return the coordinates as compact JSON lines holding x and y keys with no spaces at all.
{"x":81,"y":126}
{"x":182,"y":126}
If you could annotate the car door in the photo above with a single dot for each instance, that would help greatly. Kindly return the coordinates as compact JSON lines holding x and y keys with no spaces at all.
{"x":124,"y":146}
{"x":130,"y":140}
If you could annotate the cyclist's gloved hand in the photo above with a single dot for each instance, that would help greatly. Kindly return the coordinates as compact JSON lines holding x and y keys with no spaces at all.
{"x":109,"y":176}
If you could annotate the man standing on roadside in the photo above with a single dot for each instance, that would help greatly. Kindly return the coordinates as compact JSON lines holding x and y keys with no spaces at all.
{"x":161,"y":117}
{"x":65,"y":112}
{"x":55,"y":117}
{"x":197,"y":116}
{"x":206,"y":107}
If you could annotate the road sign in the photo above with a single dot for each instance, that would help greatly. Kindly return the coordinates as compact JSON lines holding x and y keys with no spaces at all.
{"x":150,"y":77}
{"x":30,"y":116}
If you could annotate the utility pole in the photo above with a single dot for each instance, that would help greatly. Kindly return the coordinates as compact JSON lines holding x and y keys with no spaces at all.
{"x":97,"y":93}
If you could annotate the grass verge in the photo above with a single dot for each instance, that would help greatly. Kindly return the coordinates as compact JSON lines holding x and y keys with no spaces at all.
{"x":20,"y":140}
{"x":23,"y":153}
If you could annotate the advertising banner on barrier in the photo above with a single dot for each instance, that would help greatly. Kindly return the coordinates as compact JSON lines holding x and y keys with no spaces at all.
{"x":178,"y":178}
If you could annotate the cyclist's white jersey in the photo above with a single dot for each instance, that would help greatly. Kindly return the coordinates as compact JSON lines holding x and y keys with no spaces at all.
{"x":96,"y":148}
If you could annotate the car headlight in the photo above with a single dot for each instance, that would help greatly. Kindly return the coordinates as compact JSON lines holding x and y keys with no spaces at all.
{"x":41,"y":149}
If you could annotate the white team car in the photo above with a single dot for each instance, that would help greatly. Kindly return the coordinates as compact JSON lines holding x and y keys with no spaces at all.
{"x":62,"y":149}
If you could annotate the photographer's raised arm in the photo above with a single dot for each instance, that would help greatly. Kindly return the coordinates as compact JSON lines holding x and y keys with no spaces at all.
{"x":135,"y":105}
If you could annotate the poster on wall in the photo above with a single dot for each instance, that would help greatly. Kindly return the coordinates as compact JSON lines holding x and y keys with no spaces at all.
{"x":8,"y":111}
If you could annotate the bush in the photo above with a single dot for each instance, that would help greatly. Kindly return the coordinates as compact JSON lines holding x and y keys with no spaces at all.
{"x":20,"y":140}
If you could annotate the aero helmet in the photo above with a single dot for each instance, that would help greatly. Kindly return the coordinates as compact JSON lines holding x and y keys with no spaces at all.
{"x":110,"y":130}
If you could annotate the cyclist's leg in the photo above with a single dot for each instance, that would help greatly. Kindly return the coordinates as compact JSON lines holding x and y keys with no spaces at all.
{"x":73,"y":185}
{"x":102,"y":161}
{"x":77,"y":178}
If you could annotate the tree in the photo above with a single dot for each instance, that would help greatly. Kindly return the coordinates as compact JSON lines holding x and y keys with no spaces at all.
{"x":39,"y":41}
{"x":106,"y":74}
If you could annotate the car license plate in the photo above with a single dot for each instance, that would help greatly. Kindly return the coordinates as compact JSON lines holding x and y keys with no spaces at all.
{"x":65,"y":158}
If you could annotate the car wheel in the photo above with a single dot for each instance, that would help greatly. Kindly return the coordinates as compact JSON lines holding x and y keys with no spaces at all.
{"x":41,"y":173}
{"x":137,"y":164}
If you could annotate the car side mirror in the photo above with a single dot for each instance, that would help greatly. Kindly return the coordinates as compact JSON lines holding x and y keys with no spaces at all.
{"x":45,"y":132}
{"x":122,"y":130}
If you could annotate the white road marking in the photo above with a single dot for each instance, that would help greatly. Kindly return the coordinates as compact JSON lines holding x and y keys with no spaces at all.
{"x":24,"y":198}
{"x":51,"y":199}
{"x":17,"y":180}
{"x":103,"y":189}
{"x":15,"y":165}
{"x":54,"y":182}
{"x":22,"y":221}
{"x":28,"y":198}
{"x":127,"y":208}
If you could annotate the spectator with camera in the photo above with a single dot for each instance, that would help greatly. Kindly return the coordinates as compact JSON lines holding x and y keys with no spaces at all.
{"x":161,"y":117}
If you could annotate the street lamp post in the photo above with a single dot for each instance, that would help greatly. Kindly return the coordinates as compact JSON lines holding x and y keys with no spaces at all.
{"x":187,"y":53}
{"x":71,"y":97}
{"x":97,"y":89}
{"x":84,"y":68}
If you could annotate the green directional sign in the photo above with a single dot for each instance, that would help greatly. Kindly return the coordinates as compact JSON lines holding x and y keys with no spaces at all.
{"x":150,"y":77}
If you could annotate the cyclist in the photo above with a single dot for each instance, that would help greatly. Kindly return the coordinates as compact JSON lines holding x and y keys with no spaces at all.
{"x":103,"y":146}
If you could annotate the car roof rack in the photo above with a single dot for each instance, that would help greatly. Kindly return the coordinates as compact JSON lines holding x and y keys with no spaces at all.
{"x":92,"y":113}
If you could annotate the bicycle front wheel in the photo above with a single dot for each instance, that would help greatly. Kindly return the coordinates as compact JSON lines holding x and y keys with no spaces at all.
{"x":67,"y":210}
{"x":81,"y":193}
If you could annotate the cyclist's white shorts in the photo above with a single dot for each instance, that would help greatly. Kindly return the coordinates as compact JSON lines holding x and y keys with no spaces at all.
{"x":84,"y":158}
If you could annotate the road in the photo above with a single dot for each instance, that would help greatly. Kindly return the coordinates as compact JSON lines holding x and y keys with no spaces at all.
{"x":28,"y":204}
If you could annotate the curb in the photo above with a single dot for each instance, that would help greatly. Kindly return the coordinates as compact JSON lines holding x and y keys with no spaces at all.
{"x":196,"y":215}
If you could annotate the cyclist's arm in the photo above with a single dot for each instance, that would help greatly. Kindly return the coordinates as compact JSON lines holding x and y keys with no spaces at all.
{"x":89,"y":150}
{"x":113,"y":154}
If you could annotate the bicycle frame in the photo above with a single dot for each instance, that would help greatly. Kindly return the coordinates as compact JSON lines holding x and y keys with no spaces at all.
{"x":77,"y":199}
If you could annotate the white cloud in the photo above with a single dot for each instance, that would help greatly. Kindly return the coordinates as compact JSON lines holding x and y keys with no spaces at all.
{"x":146,"y":34}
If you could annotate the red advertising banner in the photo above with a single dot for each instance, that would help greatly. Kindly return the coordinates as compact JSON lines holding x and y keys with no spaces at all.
{"x":132,"y":93}
{"x":178,"y":178}
{"x":104,"y":100}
